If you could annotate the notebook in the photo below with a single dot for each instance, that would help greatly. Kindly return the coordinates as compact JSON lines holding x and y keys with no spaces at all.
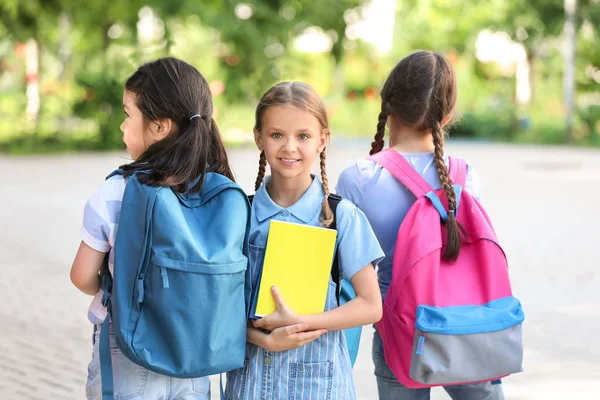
{"x":298,"y":261}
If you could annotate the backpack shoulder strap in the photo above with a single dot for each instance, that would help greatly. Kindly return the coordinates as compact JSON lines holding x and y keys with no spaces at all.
{"x":118,"y":171}
{"x":458,"y":171}
{"x":403,"y":171}
{"x":104,"y":346}
{"x":333,"y":201}
{"x":106,"y":278}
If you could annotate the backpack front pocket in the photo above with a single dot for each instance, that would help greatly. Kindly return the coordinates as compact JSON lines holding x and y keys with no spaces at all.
{"x":461,"y":344}
{"x":195,"y":313}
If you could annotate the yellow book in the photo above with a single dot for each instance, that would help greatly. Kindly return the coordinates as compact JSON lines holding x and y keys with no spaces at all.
{"x":298,"y":261}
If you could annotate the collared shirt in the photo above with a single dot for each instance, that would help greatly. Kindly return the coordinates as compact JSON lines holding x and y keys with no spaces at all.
{"x":386,"y":201}
{"x":320,"y":369}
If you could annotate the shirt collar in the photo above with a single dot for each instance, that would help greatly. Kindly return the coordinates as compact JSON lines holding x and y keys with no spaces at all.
{"x":304,"y":209}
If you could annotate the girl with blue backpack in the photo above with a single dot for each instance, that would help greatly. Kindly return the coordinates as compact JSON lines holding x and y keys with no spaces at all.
{"x":303,"y":356}
{"x":154,"y":281}
{"x":412,"y":191}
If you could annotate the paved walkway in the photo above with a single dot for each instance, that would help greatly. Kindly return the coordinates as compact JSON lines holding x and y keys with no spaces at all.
{"x":543,"y":202}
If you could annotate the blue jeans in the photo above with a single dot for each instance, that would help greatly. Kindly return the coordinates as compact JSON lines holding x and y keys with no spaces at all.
{"x":390,"y":389}
{"x":132,"y":382}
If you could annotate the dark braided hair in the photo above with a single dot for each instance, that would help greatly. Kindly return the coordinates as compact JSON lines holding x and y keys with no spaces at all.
{"x":421,"y":92}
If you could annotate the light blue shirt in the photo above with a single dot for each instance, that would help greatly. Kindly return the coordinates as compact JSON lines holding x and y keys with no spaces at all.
{"x":385,"y":201}
{"x":320,"y":369}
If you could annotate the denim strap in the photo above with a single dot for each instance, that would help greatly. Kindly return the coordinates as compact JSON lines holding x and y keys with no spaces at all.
{"x":106,"y":361}
{"x":221,"y":386}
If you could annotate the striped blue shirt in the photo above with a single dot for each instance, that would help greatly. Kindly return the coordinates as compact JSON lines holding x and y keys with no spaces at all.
{"x":100,"y":222}
{"x":320,"y":369}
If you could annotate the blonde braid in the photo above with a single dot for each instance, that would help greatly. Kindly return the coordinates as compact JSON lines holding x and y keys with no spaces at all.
{"x":326,"y":213}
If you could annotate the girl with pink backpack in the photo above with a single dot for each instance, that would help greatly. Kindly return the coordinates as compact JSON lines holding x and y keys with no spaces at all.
{"x":449,"y":318}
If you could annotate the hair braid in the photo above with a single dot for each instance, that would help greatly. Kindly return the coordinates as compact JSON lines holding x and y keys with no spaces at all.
{"x":378,"y":143}
{"x":326,"y":213}
{"x":454,"y":240}
{"x":262,"y":166}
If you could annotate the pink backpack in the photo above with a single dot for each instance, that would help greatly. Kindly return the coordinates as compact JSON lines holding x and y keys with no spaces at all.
{"x":446,"y":322}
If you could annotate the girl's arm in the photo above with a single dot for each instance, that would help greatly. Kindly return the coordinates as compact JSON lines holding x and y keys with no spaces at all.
{"x":85,"y":270}
{"x":365,"y":309}
{"x":283,"y":338}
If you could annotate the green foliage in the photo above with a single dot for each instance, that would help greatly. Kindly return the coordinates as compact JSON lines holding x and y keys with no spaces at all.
{"x":590,"y":116}
{"x":103,"y":95}
{"x":588,"y":64}
{"x":253,"y":47}
{"x":81,"y":89}
{"x":484,"y":125}
{"x":28,"y":19}
{"x":354,"y":118}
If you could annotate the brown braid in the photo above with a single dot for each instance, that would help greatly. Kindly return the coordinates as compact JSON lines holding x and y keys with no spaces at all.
{"x":262,"y":166}
{"x":378,"y":143}
{"x":454,"y":240}
{"x":326,"y":213}
{"x":420,"y":92}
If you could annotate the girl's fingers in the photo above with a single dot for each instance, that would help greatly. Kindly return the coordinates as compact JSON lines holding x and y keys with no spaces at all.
{"x":259,"y":323}
{"x":279,"y":303}
{"x":292,"y":329}
{"x":307,"y":337}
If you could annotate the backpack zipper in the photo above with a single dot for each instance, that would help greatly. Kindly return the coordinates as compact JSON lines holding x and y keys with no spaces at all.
{"x":165,"y":277}
{"x":421,"y":342}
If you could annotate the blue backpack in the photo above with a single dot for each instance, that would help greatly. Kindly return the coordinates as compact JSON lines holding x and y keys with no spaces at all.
{"x":179,"y":297}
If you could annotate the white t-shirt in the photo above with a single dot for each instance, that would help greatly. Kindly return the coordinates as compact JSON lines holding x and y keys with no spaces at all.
{"x":100,"y":222}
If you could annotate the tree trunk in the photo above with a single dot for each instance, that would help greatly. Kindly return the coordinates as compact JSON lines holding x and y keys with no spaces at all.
{"x":569,"y":72}
{"x":65,"y":50}
{"x":105,"y":128}
{"x":33,"y":84}
{"x":524,"y":80}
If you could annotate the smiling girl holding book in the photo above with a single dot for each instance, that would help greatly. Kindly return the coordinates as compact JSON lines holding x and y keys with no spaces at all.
{"x":303,"y":356}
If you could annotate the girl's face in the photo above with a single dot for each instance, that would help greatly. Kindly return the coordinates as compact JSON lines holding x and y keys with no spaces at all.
{"x":137,"y":134}
{"x":291,"y":139}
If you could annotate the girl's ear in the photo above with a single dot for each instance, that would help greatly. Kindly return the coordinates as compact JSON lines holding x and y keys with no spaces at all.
{"x":323,"y":140}
{"x":258,"y":139}
{"x":446,"y":119}
{"x":161,"y":128}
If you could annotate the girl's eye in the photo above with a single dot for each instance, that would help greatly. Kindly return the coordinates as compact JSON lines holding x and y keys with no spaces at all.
{"x":303,"y":136}
{"x":126,"y":115}
{"x":275,"y":135}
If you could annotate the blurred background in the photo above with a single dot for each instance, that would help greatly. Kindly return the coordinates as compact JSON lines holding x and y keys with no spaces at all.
{"x":529,"y":76}
{"x":529,"y":70}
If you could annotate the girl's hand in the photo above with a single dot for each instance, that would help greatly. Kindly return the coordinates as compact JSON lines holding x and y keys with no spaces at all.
{"x":291,"y":337}
{"x":282,"y":316}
